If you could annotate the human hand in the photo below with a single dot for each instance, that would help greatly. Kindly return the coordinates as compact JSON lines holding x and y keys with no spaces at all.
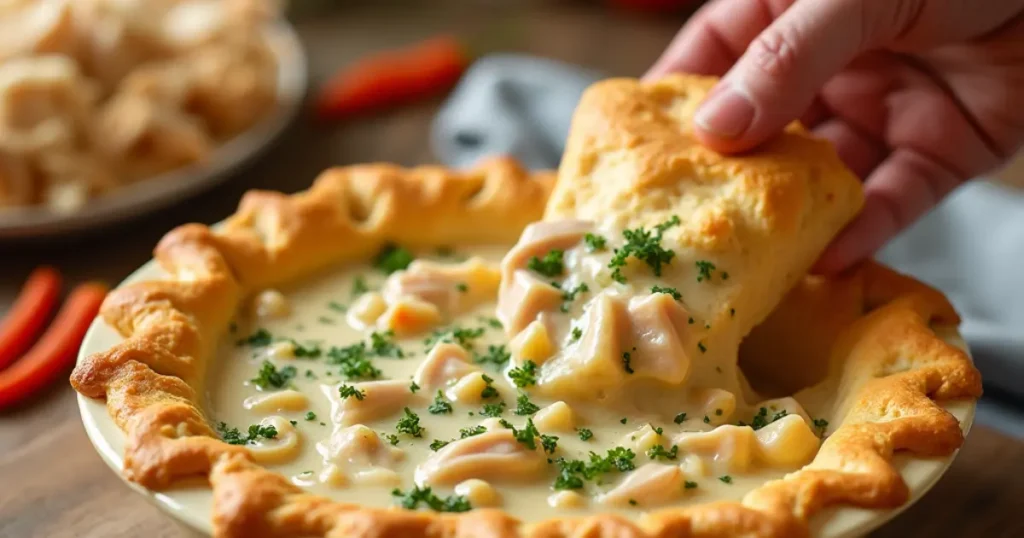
{"x":917,"y":96}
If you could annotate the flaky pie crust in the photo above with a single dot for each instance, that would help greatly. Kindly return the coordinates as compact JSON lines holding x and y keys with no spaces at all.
{"x":892,"y":364}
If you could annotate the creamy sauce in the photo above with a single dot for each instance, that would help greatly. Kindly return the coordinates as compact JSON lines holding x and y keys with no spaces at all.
{"x":321,"y":313}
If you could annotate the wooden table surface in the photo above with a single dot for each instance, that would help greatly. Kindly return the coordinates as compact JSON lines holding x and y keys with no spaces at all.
{"x":52,"y":483}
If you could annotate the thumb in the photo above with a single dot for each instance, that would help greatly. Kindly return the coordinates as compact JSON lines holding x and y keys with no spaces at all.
{"x":785,"y":66}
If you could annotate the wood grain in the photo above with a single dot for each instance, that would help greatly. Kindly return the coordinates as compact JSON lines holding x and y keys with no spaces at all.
{"x":53,"y":484}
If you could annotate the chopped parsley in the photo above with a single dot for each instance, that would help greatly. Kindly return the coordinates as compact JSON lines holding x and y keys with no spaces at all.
{"x":488,"y":391}
{"x":417,"y":495}
{"x":409,"y":424}
{"x":632,"y":502}
{"x":300,"y":351}
{"x":493,"y":323}
{"x":392,"y":258}
{"x":324,"y":320}
{"x":644,"y":245}
{"x":413,"y":387}
{"x":354,"y":361}
{"x":496,"y":355}
{"x":455,"y":335}
{"x":656,"y":429}
{"x":525,"y":375}
{"x":704,"y":270}
{"x":524,"y":407}
{"x":577,"y":333}
{"x":626,"y":359}
{"x":470,"y":432}
{"x":392,"y":438}
{"x":702,"y":347}
{"x":348,"y":391}
{"x":761,"y":419}
{"x":526,"y":436}
{"x":310,"y":415}
{"x":821,"y":425}
{"x":462,"y":287}
{"x":680,"y":418}
{"x":689,"y":485}
{"x":569,"y":296}
{"x":668,"y":291}
{"x":595,"y":242}
{"x":269,"y":377}
{"x":707,"y":420}
{"x":256,"y":432}
{"x":573,"y":473}
{"x":438,"y":444}
{"x":359,"y":286}
{"x":440,"y":406}
{"x":260,"y":338}
{"x":658,"y":451}
{"x":337,"y":307}
{"x":551,"y":265}
{"x":493,"y":409}
{"x":549,"y":443}
{"x":382,"y":344}
{"x":623,"y":420}
{"x":585,"y":434}
{"x":726,"y":479}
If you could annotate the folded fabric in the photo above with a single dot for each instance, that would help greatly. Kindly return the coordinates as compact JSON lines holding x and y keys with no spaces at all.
{"x":971,"y":247}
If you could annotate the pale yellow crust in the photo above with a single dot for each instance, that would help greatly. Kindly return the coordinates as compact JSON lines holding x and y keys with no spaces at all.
{"x":892,"y":362}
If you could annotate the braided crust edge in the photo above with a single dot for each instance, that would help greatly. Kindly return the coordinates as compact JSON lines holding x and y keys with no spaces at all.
{"x":891,"y":361}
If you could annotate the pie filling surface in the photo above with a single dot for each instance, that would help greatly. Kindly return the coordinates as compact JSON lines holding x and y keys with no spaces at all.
{"x":560,"y":374}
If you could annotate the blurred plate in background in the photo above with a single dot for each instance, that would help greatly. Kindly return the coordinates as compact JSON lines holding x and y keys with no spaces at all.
{"x":165,"y":189}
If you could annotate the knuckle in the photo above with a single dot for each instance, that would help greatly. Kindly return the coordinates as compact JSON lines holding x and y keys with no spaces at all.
{"x":775,"y":52}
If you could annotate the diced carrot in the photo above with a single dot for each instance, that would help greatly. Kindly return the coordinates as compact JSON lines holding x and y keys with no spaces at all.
{"x":26,"y":319}
{"x":393,"y":78}
{"x":55,"y":351}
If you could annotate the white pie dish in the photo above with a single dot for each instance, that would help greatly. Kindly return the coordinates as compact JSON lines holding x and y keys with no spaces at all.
{"x":191,"y":505}
{"x":165,"y":189}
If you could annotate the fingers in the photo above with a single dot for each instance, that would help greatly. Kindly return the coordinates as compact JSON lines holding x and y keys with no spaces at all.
{"x":777,"y":77}
{"x":900,"y":190}
{"x":713,"y":39}
{"x":859,"y":151}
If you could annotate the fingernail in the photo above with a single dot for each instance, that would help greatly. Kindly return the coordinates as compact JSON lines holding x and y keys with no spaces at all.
{"x":726,"y":113}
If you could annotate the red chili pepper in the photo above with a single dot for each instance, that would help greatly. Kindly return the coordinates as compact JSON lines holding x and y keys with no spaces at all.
{"x":27,"y":317}
{"x":393,"y":78}
{"x":55,"y":351}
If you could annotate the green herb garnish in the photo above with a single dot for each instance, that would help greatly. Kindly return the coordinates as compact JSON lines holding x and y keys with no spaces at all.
{"x":577,"y":333}
{"x":260,"y":338}
{"x":310,"y":415}
{"x":585,"y":434}
{"x":354,"y":361}
{"x":440,"y":406}
{"x":488,"y":391}
{"x":270,"y":377}
{"x":668,"y":291}
{"x":409,"y":424}
{"x":493,"y":409}
{"x":626,"y":359}
{"x":569,"y":296}
{"x":704,"y":270}
{"x":496,"y":355}
{"x":413,"y":387}
{"x":658,"y":451}
{"x":256,"y":432}
{"x":438,"y":444}
{"x":524,"y":406}
{"x":456,"y":335}
{"x":645,"y":246}
{"x":348,"y":391}
{"x":525,"y":375}
{"x":393,"y":258}
{"x":470,"y":432}
{"x":551,"y":265}
{"x":359,"y":286}
{"x":416,"y":496}
{"x":680,"y":418}
{"x":726,"y":479}
{"x":594,"y":242}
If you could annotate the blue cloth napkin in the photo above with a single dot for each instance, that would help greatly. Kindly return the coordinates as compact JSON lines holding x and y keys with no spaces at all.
{"x":971,"y":247}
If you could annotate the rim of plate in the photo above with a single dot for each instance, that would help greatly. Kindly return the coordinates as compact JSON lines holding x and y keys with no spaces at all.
{"x":174,"y":186}
{"x":191,"y":504}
